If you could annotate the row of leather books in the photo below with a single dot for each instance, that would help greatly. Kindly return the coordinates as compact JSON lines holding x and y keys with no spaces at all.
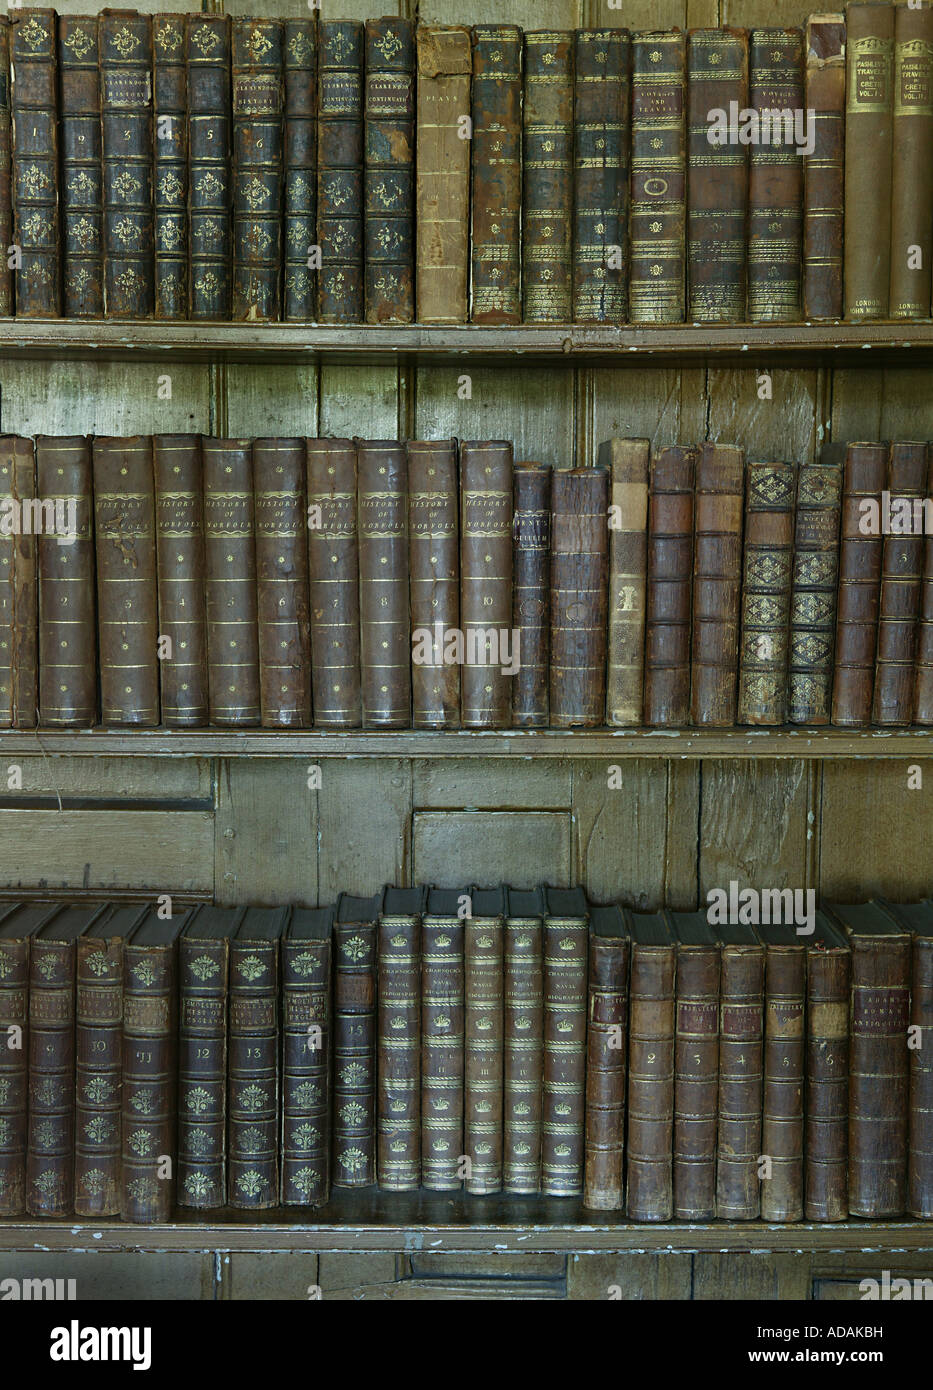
{"x":190,"y":166}
{"x":485,"y":1039}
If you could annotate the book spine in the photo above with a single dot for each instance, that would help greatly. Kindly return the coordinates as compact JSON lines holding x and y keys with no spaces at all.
{"x":6,"y":171}
{"x":253,"y":1075}
{"x":766,"y":581}
{"x":483,"y":1053}
{"x":204,"y":971}
{"x":124,"y":527}
{"x":398,"y":1091}
{"x":531,"y":540}
{"x":258,"y":138}
{"x":442,"y":1054}
{"x":283,"y":620}
{"x":496,"y":236}
{"x":67,"y":621}
{"x":306,"y":1065}
{"x":659,"y":178}
{"x":230,"y":587}
{"x":34,"y":110}
{"x":607,"y":1025}
{"x":170,"y":166}
{"x":19,"y":596}
{"x":738,"y":1140}
{"x":354,"y":1133}
{"x":602,"y":121}
{"x":340,"y":171}
{"x":179,"y":521}
{"x":827,"y":1092}
{"x":207,"y":51}
{"x":385,"y":623}
{"x":434,"y":583}
{"x":98,"y":1076}
{"x":650,"y":1194}
{"x":670,"y":586}
{"x":563,"y":1098}
{"x":920,"y":1135}
{"x":923,"y":671}
{"x":334,"y":583}
{"x":868,"y":158}
{"x":442,"y":196}
{"x":717,"y":583}
{"x":696,"y":1083}
{"x":823,"y":168}
{"x":628,"y":461}
{"x":14,"y":1076}
{"x":299,"y":291}
{"x":150,"y":1062}
{"x":523,"y":1055}
{"x":579,"y":596}
{"x":717,"y":176}
{"x":912,"y":164}
{"x":547,"y":170}
{"x":50,"y":1130}
{"x":899,"y":600}
{"x":125,"y":45}
{"x":859,"y":592}
{"x":485,"y":582}
{"x":81,"y":174}
{"x":389,"y":182}
{"x":813,"y":594}
{"x":775,"y":177}
{"x":782,"y":1123}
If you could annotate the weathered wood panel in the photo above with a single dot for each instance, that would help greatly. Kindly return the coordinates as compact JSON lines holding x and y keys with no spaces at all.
{"x":364,"y":813}
{"x":534,"y":409}
{"x":159,"y":851}
{"x":266,"y":833}
{"x":491,"y":783}
{"x":753,"y":825}
{"x":601,"y":1278}
{"x":272,"y":401}
{"x":359,"y":401}
{"x":782,"y":427}
{"x":109,"y":779}
{"x":96,"y":397}
{"x":875,"y":832}
{"x":521,"y":848}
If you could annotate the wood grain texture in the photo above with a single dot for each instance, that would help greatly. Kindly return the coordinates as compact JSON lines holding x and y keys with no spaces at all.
{"x":93,"y":397}
{"x":281,"y":400}
{"x":266,"y":834}
{"x":782,"y":428}
{"x":364,"y":811}
{"x":667,"y":405}
{"x":494,"y":783}
{"x":521,"y":848}
{"x":358,"y":401}
{"x":158,"y":851}
{"x":112,"y":779}
{"x":753,"y":825}
{"x":875,"y":833}
{"x":532,"y":409}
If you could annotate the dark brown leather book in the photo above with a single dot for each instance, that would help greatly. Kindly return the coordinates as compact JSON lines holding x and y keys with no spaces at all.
{"x":547,"y":171}
{"x":696,"y":1066}
{"x":563,"y":1092}
{"x":649,"y":1165}
{"x":19,"y":592}
{"x":531,"y":540}
{"x":670,"y":586}
{"x":434,"y":582}
{"x":299,"y":227}
{"x":333,"y":583}
{"x":354,"y":1099}
{"x":210,"y":181}
{"x":607,"y":1028}
{"x":918,"y":919}
{"x":398,"y":1039}
{"x":253,"y":1072}
{"x":782,"y":1112}
{"x":81,"y":172}
{"x":389,"y":180}
{"x":775,"y":177}
{"x":901,"y":581}
{"x":823,"y":167}
{"x":486,"y":584}
{"x":36,"y":212}
{"x":579,"y":596}
{"x":442,"y":196}
{"x":878,"y":1058}
{"x":170,"y":166}
{"x":306,"y":1057}
{"x":717,"y":582}
{"x":258,"y":168}
{"x":496,"y":238}
{"x":813,"y":588}
{"x":340,"y":171}
{"x":385,"y":622}
{"x":6,"y":169}
{"x":741,"y":1010}
{"x":179,"y":521}
{"x":282,"y":583}
{"x":523,"y":1040}
{"x":628,"y":462}
{"x":659,"y":178}
{"x":602,"y":122}
{"x":911,"y":162}
{"x":442,"y":1040}
{"x":766,"y":584}
{"x":127,"y":610}
{"x":868,"y":158}
{"x":483,"y":1039}
{"x":67,"y":621}
{"x":923,"y":666}
{"x":859,"y":594}
{"x":826,"y":1106}
{"x":717,"y":176}
{"x":125,"y":47}
{"x":230,"y":584}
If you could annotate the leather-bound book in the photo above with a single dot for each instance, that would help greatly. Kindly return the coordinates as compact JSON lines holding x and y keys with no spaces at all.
{"x":531,"y":539}
{"x":442,"y":1023}
{"x":579,"y":596}
{"x":486,"y":583}
{"x":563,"y":1091}
{"x":607,"y":1028}
{"x":203,"y":997}
{"x":782,"y":1110}
{"x":170,"y":166}
{"x":385,"y":623}
{"x":398,"y":1039}
{"x":879,"y":1060}
{"x":258,"y":161}
{"x":306,"y":1059}
{"x":826,"y":1101}
{"x":81,"y":172}
{"x":602,"y":125}
{"x":299,"y":228}
{"x":901,"y":581}
{"x":868,"y":158}
{"x":496,"y":238}
{"x":912,"y":159}
{"x":253,"y":1075}
{"x":6,"y":168}
{"x":34,"y":104}
{"x":99,"y":1060}
{"x":282,"y":583}
{"x":775,"y":178}
{"x":766,"y":583}
{"x":230,"y":584}
{"x":923,"y":667}
{"x":434,"y":581}
{"x":354,"y":1097}
{"x":918,"y":918}
{"x":333,"y":583}
{"x":67,"y":621}
{"x":659,"y":178}
{"x":523,"y":1041}
{"x":696,"y":1066}
{"x":823,"y":167}
{"x":125,"y":46}
{"x":670,"y":586}
{"x":210,"y":175}
{"x":340,"y":171}
{"x":19,"y":592}
{"x":628,"y":463}
{"x":717,"y":583}
{"x":483,"y":1039}
{"x":717,"y":177}
{"x":179,"y":519}
{"x":741,"y":1012}
{"x":649,"y":1163}
{"x":442,"y":195}
{"x":813,"y":588}
{"x":547,"y":170}
{"x":389,"y":182}
{"x":127,"y":610}
{"x":859,"y":593}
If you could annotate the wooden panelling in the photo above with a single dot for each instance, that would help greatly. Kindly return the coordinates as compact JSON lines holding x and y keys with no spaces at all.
{"x":604,"y":1278}
{"x":521,"y":848}
{"x":364,"y":814}
{"x":266,"y":834}
{"x":359,"y":401}
{"x":876,"y":833}
{"x":93,"y":397}
{"x":753,"y":825}
{"x":783,"y":427}
{"x":160,"y":851}
{"x":530,"y":14}
{"x":666,"y":405}
{"x":462,"y":784}
{"x":748,"y":1276}
{"x":110,"y":778}
{"x":274,"y":400}
{"x":534,"y":409}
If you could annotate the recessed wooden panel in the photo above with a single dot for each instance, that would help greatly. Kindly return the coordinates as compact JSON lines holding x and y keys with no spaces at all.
{"x":875,"y":833}
{"x":272,"y":401}
{"x":783,"y":427}
{"x":359,"y":401}
{"x":491,"y":783}
{"x":109,"y":778}
{"x":95,"y":397}
{"x":521,"y":848}
{"x":533,"y":409}
{"x":666,"y":405}
{"x":753,"y":825}
{"x":364,"y":810}
{"x":159,"y":851}
{"x":266,"y":838}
